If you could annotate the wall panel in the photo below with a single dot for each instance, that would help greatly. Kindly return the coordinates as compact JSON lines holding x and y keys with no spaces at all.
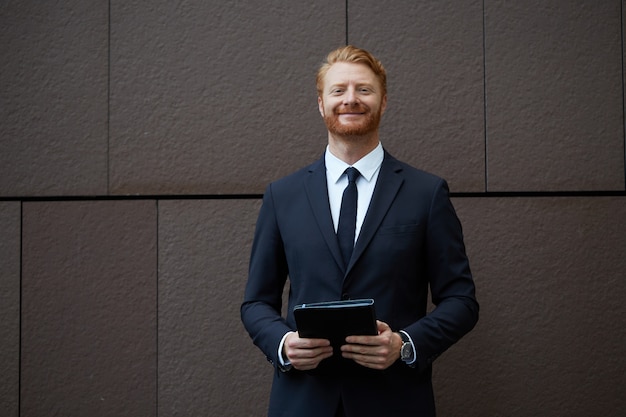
{"x":216,"y":97}
{"x":554,"y":95}
{"x":208,"y":365}
{"x":53,"y":98}
{"x":89,"y":309}
{"x":130,"y":307}
{"x":433,"y":53}
{"x":550,"y":340}
{"x":9,"y":307}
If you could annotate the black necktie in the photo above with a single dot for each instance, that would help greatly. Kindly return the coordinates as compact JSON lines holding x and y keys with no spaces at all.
{"x":347,"y":216}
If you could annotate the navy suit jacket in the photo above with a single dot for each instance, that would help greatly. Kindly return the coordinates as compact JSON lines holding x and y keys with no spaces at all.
{"x":411,"y":239}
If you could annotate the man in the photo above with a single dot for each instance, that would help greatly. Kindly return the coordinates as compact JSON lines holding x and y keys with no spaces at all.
{"x":407,"y":238}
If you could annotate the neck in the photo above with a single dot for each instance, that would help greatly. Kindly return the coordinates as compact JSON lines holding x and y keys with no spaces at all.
{"x":352,"y":148}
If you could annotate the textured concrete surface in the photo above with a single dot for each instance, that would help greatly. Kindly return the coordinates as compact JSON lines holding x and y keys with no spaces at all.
{"x":89,"y":309}
{"x":9,"y":307}
{"x":53,"y":98}
{"x":127,"y":305}
{"x":550,"y":340}
{"x":207,"y":363}
{"x":554,"y":96}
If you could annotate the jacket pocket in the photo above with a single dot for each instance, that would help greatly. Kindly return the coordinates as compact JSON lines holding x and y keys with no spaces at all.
{"x":400,"y":229}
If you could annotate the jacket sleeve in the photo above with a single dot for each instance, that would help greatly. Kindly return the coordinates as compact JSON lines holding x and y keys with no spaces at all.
{"x":261,"y":307}
{"x":451,"y":283}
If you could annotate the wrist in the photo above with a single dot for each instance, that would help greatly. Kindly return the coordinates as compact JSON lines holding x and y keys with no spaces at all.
{"x":284,"y":364}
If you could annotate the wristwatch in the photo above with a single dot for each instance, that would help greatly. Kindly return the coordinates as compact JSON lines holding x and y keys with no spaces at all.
{"x":406,"y":351}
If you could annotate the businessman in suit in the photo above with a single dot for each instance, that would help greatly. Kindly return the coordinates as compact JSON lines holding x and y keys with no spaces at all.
{"x":405,"y":238}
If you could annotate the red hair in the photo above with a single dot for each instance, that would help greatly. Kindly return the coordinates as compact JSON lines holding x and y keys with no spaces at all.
{"x":352,"y":54}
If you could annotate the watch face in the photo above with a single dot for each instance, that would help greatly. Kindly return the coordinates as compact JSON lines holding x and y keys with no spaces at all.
{"x":406,"y":352}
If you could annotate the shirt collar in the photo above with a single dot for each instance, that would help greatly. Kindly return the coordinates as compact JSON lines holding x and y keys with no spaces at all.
{"x":367,"y":166}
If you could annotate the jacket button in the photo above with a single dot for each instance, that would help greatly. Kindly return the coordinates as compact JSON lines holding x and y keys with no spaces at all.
{"x":345,"y":296}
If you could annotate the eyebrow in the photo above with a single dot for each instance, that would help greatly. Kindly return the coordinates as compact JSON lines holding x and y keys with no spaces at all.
{"x":358,"y":84}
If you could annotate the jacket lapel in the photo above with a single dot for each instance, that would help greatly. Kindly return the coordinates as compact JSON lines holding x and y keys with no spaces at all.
{"x":317,"y":193}
{"x":387,"y":187}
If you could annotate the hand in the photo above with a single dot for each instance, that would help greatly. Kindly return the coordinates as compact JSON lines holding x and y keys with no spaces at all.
{"x":306,"y":354}
{"x":376,"y":352}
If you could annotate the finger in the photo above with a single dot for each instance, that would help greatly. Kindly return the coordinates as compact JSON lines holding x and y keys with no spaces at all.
{"x":310,"y":353}
{"x":359,"y":349}
{"x":310,"y":363}
{"x":308,"y":343}
{"x":362,"y":340}
{"x":383,"y":338}
{"x":373,"y":362}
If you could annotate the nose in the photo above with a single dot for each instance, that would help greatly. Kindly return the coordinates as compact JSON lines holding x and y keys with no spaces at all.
{"x":350,"y":97}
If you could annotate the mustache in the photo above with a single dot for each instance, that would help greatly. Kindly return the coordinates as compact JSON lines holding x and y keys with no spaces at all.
{"x":357,"y":108}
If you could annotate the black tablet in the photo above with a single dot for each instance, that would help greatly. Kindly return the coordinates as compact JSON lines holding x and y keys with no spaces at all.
{"x":335,"y":320}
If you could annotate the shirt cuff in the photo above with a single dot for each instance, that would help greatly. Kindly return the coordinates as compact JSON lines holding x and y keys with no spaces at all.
{"x":283,"y":363}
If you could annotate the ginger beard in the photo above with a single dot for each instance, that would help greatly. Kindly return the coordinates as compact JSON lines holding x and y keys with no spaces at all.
{"x":368,"y":122}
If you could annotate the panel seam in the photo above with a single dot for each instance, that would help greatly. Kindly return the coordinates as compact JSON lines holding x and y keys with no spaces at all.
{"x":108,"y":128}
{"x":156,"y":318}
{"x":485,"y":134}
{"x":347,"y":26}
{"x":623,"y":92}
{"x":200,"y":197}
{"x":19,"y":343}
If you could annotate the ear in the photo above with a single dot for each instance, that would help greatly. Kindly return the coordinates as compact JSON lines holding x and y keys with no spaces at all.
{"x":320,"y":105}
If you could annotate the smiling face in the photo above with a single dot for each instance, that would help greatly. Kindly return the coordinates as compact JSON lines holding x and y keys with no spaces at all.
{"x":352,"y":100}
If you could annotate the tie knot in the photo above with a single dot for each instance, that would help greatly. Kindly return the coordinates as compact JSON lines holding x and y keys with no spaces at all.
{"x":352,"y":174}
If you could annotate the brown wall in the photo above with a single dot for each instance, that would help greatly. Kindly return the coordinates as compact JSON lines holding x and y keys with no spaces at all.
{"x":136,"y":138}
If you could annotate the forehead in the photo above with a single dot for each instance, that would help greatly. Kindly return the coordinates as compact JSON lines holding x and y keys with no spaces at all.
{"x":349,"y":72}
